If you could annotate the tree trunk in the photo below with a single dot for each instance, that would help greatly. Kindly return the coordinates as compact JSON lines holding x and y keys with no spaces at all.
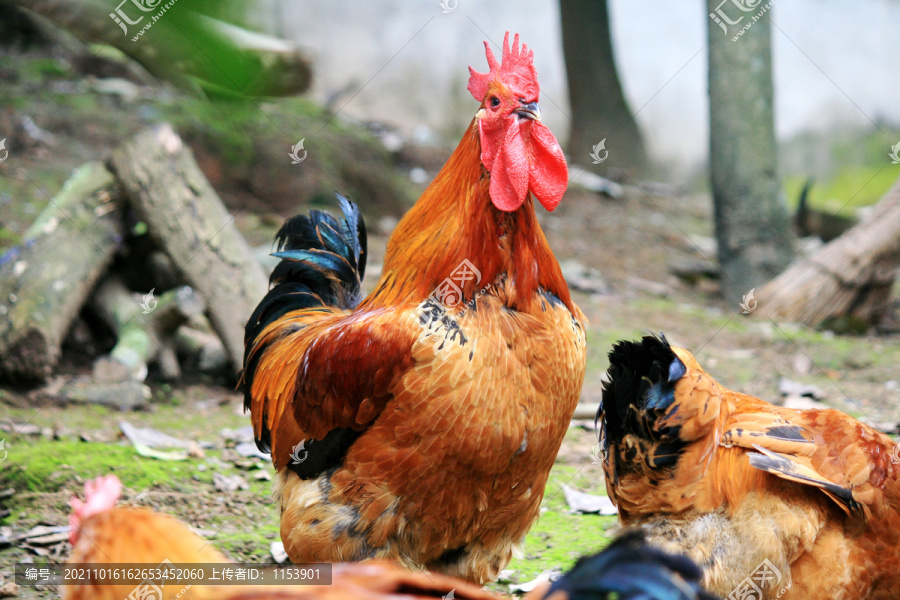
{"x":850,"y":277}
{"x":45,"y":281}
{"x":752,"y":224}
{"x":599,"y":109}
{"x":189,"y":223}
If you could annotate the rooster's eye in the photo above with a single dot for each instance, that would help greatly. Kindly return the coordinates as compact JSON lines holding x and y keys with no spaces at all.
{"x":495,"y":101}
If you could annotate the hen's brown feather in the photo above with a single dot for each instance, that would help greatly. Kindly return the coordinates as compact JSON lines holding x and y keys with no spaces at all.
{"x":814,"y":492}
{"x":134,"y":535}
{"x":141,"y":536}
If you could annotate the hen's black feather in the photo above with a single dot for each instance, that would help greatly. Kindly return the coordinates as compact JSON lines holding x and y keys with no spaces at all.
{"x":640,"y":390}
{"x":631,"y":569}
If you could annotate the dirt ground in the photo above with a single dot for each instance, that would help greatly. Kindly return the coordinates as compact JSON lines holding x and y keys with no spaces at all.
{"x":627,"y":245}
{"x":621,"y":239}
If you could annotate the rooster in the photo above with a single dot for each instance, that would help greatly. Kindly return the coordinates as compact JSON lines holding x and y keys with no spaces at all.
{"x":431,"y":411}
{"x":779,"y":502}
{"x":103,"y":533}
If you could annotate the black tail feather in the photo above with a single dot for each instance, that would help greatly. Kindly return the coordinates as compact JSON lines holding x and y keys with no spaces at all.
{"x":323,"y":263}
{"x":640,"y":389}
{"x":631,"y":569}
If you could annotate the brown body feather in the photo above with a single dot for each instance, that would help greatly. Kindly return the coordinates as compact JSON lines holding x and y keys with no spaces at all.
{"x":141,"y":536}
{"x":134,"y":535}
{"x":462,"y":410}
{"x":813,"y":492}
{"x":376,"y":580}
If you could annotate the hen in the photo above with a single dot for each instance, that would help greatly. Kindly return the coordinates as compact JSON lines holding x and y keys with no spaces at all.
{"x":771,"y":501}
{"x":104,"y":534}
{"x":101,"y":535}
{"x":420,"y":424}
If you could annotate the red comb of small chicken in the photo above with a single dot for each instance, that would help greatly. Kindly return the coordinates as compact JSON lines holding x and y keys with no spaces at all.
{"x":518,"y":150}
{"x":103,"y":533}
{"x":100,"y":495}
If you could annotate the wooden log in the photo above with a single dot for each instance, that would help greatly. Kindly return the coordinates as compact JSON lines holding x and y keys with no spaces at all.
{"x":204,"y":349}
{"x":122,"y":395}
{"x":849,"y":278}
{"x":586,"y":410}
{"x":191,"y":225}
{"x":145,"y":326}
{"x":45,"y":281}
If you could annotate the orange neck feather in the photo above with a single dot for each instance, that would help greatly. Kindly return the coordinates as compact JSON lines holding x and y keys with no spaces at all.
{"x":455,"y":220}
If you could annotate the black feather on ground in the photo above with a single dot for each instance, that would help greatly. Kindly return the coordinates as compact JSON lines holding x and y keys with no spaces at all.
{"x":631,"y":569}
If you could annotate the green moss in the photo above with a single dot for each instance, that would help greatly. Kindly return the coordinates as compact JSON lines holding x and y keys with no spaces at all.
{"x":170,"y":416}
{"x":47,"y":466}
{"x":82,"y":104}
{"x":559,"y":539}
{"x":9,"y":238}
{"x":39,"y":69}
{"x":838,"y":353}
{"x":232,"y":126}
{"x":253,"y":544}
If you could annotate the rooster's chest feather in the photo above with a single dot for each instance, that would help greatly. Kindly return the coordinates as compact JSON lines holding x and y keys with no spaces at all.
{"x":495,"y":379}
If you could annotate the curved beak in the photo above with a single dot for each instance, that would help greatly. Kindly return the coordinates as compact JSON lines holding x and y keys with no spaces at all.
{"x":529,"y":111}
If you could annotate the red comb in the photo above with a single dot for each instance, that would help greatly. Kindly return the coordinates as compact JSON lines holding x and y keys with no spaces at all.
{"x":100,"y":495}
{"x":517,"y":68}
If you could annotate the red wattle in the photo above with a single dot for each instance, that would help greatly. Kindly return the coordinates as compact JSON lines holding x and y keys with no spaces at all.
{"x":487,"y":135}
{"x":523,"y":157}
{"x":509,"y":175}
{"x":548,"y":173}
